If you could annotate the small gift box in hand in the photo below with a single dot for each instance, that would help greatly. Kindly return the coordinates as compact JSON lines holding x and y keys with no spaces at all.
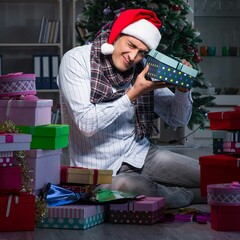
{"x":170,"y":70}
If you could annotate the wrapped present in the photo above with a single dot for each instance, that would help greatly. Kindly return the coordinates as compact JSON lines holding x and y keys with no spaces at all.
{"x":73,"y":216}
{"x":78,"y":188}
{"x":14,"y":142}
{"x":85,"y":175}
{"x":47,"y":137}
{"x":148,"y":210}
{"x":44,"y":166}
{"x":6,"y":159}
{"x":13,"y":209}
{"x":10,"y":179}
{"x":26,"y":112}
{"x":170,"y":70}
{"x":232,"y":147}
{"x":219,"y":168}
{"x":228,"y":120}
{"x":224,"y":200}
{"x":16,"y":84}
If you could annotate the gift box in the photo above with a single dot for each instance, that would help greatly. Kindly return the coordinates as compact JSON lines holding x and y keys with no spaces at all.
{"x":170,"y":70}
{"x":14,"y":142}
{"x":47,"y":137}
{"x":16,"y":84}
{"x":233,"y":147}
{"x":148,"y":210}
{"x":45,"y":167}
{"x":26,"y":112}
{"x":6,"y":159}
{"x":17,"y":212}
{"x":228,"y":120}
{"x":224,"y":200}
{"x":73,"y":216}
{"x":80,"y":188}
{"x":10,"y":179}
{"x":85,"y":175}
{"x":219,"y":168}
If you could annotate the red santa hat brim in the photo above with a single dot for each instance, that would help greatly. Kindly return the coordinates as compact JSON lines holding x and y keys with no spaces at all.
{"x":139,"y":23}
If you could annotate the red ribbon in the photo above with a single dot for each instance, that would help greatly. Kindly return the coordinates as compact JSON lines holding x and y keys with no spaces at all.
{"x":8,"y":138}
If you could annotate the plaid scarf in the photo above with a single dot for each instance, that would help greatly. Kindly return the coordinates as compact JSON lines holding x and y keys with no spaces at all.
{"x":104,"y":76}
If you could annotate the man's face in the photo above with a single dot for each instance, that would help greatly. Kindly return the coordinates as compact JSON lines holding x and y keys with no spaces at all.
{"x":128,"y":51}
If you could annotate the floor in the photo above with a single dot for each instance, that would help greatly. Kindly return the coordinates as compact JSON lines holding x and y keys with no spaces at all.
{"x":165,"y":231}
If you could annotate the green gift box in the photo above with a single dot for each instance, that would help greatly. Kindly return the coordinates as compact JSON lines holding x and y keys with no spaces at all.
{"x":170,"y":70}
{"x":47,"y":137}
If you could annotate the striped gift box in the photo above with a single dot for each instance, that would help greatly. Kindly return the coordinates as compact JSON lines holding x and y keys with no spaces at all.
{"x":73,"y":216}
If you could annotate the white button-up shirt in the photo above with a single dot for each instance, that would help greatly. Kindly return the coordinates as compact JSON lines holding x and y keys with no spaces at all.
{"x":102,"y":135}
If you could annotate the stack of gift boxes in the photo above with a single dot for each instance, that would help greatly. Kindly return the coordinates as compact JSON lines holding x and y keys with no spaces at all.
{"x":220,"y":172}
{"x":42,"y":143}
{"x":40,"y":140}
{"x":13,"y":202}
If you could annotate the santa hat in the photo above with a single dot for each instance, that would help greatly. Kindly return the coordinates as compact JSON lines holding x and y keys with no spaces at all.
{"x":140,"y":23}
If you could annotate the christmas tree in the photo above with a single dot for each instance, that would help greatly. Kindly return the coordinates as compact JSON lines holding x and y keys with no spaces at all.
{"x":179,"y":38}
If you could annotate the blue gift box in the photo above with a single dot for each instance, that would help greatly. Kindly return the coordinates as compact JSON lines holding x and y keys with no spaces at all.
{"x":170,"y":70}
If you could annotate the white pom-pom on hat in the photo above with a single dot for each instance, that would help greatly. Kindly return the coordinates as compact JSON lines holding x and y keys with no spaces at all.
{"x":107,"y":49}
{"x":139,"y":23}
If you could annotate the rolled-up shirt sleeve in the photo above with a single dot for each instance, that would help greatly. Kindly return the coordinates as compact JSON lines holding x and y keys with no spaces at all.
{"x":74,"y":84}
{"x":174,"y":108}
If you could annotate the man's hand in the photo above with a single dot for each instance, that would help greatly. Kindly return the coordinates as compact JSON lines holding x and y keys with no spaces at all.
{"x":142,"y":85}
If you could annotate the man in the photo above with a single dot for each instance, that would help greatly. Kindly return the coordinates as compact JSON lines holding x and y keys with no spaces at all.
{"x":109,"y":105}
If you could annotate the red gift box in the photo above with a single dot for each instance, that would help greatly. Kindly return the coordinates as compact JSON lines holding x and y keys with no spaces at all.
{"x":224,"y":200}
{"x":148,"y":210}
{"x":17,"y":212}
{"x":10,"y":179}
{"x":219,"y":168}
{"x":228,"y":120}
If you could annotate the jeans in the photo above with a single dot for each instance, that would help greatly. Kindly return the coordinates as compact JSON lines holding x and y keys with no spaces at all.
{"x":164,"y":174}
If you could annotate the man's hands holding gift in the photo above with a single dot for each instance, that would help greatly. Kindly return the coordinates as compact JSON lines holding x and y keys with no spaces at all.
{"x":142,"y":85}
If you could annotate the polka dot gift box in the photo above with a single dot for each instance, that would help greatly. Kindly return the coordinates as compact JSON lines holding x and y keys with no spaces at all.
{"x":170,"y":70}
{"x":6,"y":159}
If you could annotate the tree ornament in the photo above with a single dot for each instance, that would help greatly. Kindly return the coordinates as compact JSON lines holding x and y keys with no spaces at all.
{"x":107,"y":11}
{"x":197,"y":58}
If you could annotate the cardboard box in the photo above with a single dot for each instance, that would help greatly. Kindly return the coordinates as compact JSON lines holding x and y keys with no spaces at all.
{"x":6,"y":159}
{"x":148,"y":210}
{"x":10,"y":179}
{"x":47,"y":137}
{"x":228,"y":120}
{"x":20,"y":215}
{"x":25,"y":112}
{"x":170,"y":70}
{"x":219,"y":168}
{"x":224,"y":200}
{"x":45,"y":167}
{"x":85,"y":175}
{"x":73,"y":216}
{"x":14,"y":142}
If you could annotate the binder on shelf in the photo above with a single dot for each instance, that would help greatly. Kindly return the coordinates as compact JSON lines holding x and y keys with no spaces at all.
{"x":47,"y":32}
{"x":51,"y":34}
{"x":42,"y":29}
{"x":54,"y":65}
{"x":37,"y":65}
{"x":45,"y":72}
{"x":56,"y":31}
